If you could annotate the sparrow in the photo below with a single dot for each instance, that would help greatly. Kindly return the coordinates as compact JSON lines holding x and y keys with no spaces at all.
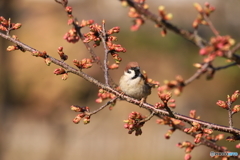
{"x":133,"y":83}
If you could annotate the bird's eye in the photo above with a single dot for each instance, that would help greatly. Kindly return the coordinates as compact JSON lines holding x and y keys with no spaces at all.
{"x":128,"y":71}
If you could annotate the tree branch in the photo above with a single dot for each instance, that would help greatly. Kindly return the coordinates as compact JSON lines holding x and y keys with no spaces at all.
{"x":159,"y":113}
{"x":190,"y":36}
{"x":103,"y":37}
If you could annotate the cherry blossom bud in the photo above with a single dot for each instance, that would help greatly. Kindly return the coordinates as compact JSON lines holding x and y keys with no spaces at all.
{"x":59,"y":71}
{"x":208,"y":131}
{"x":86,"y":120}
{"x":187,"y":157}
{"x":113,"y":66}
{"x":219,"y":137}
{"x":75,"y":108}
{"x":235,"y":96}
{"x":16,"y":26}
{"x":238,"y":146}
{"x":12,"y":48}
{"x":99,"y":100}
{"x":68,"y":10}
{"x":198,"y":7}
{"x":236,"y":109}
{"x":48,"y":61}
{"x":222,"y":104}
{"x":65,"y":76}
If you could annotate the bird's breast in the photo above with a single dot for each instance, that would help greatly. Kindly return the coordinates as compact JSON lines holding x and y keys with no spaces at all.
{"x":135,"y":87}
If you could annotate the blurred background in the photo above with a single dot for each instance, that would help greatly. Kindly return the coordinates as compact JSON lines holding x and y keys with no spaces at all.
{"x":35,"y":118}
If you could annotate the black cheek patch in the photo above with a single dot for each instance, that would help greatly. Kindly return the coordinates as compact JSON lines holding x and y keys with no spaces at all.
{"x":137,"y":73}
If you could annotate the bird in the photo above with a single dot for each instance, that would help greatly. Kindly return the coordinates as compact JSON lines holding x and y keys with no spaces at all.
{"x":133,"y":83}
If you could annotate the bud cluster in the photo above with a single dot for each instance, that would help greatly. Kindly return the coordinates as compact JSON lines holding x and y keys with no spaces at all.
{"x":93,"y":35}
{"x":61,"y":71}
{"x":227,"y":104}
{"x":166,"y":98}
{"x":97,"y":34}
{"x":103,"y":95}
{"x":165,"y":17}
{"x":83,"y":114}
{"x":217,"y":47}
{"x":188,"y":149}
{"x":85,"y":23}
{"x":138,"y":18}
{"x":171,"y":122}
{"x":151,"y":82}
{"x":176,"y":84}
{"x":71,"y":36}
{"x":209,"y":71}
{"x":201,"y":132}
{"x":133,"y":123}
{"x":84,"y":63}
{"x":6,"y":25}
{"x":63,"y":56}
{"x":206,"y":10}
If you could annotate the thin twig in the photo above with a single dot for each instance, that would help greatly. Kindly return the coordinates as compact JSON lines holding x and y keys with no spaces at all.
{"x":103,"y":37}
{"x":197,"y":74}
{"x":198,"y":40}
{"x":103,"y":106}
{"x":230,"y":54}
{"x":62,"y":2}
{"x":160,"y":22}
{"x":235,"y":48}
{"x":224,"y":67}
{"x":147,"y":118}
{"x":210,"y":24}
{"x":230,"y":120}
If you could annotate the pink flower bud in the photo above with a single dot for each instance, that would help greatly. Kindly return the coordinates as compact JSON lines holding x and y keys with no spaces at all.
{"x":238,"y":146}
{"x":235,"y":96}
{"x":65,"y":76}
{"x":86,"y":120}
{"x":59,"y":71}
{"x":113,"y":66}
{"x":198,"y":7}
{"x":187,"y":157}
{"x":236,"y":109}
{"x":222,"y":104}
{"x":16,"y":26}
{"x":68,"y":10}
{"x":75,"y":108}
{"x":11,"y":48}
{"x":48,"y":61}
{"x":99,"y":100}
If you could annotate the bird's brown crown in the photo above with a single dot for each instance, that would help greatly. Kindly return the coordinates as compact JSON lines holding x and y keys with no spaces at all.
{"x":131,"y":65}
